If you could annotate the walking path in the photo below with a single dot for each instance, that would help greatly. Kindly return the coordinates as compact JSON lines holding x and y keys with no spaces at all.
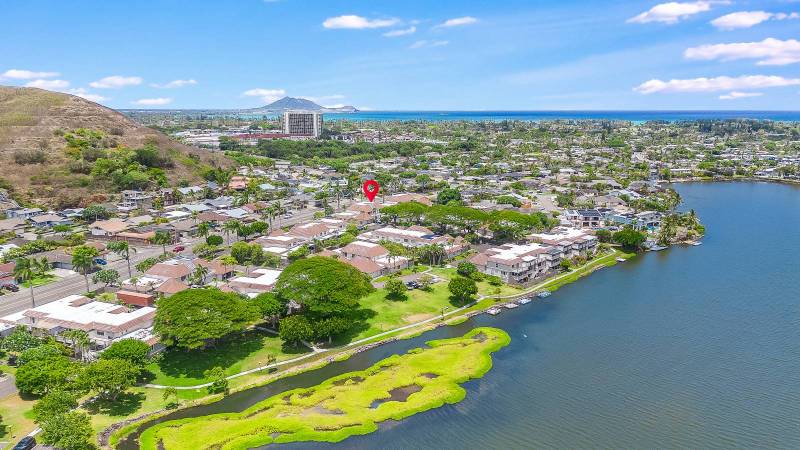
{"x":396,"y":330}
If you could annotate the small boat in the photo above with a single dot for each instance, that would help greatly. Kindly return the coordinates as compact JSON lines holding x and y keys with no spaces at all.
{"x":620,"y":259}
{"x":493,"y":311}
{"x":697,"y":243}
{"x":511,"y":305}
{"x":524,"y":300}
{"x":543,"y":294}
{"x":657,"y":248}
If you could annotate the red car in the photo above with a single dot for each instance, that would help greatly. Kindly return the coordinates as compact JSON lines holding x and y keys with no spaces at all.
{"x":178,"y":249}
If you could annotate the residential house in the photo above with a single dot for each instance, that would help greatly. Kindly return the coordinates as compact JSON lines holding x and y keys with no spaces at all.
{"x":416,"y":236}
{"x":585,"y":218}
{"x":49,"y":220}
{"x":23,"y":213}
{"x":108,"y":228}
{"x":573,"y":241}
{"x":371,"y":258}
{"x":103,"y":322}
{"x":518,"y":264}
{"x":262,"y":280}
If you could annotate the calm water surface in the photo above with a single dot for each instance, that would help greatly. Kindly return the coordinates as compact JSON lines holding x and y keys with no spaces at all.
{"x":692,"y":347}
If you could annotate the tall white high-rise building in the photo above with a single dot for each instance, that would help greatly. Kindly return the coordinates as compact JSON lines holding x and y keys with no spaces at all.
{"x":302,"y":123}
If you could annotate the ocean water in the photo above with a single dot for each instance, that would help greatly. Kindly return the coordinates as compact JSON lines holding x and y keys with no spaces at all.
{"x":633,"y":116}
{"x":691,"y":347}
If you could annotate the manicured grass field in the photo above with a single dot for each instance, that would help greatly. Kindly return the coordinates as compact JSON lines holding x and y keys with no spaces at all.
{"x":484,"y":288}
{"x":39,"y":281}
{"x":132,"y":403}
{"x":384,"y":314}
{"x":346,"y":405}
{"x":239,"y":353}
{"x":17,"y":419}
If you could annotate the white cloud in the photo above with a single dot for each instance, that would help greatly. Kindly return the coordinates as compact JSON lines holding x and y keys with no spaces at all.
{"x":175,"y":84}
{"x":19,"y":74}
{"x":51,"y":85}
{"x":747,"y":19}
{"x":458,"y":21}
{"x":357,"y":22}
{"x":402,"y":32}
{"x":423,"y":43}
{"x":673,"y":12}
{"x":266,"y":95}
{"x":115,"y":82}
{"x":153,"y":101}
{"x":736,"y":94}
{"x":769,"y":52}
{"x":81,"y":92}
{"x":716,"y":84}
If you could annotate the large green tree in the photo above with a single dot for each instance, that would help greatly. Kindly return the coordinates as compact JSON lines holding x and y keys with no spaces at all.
{"x":196,"y":318}
{"x":630,"y":238}
{"x":109,"y":377}
{"x":69,"y":431}
{"x":41,"y":376}
{"x":323,"y":287}
{"x":462,"y":289}
{"x":132,"y":350}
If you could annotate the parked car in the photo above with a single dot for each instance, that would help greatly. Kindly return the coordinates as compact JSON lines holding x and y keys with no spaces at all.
{"x":100,"y":261}
{"x":178,"y":249}
{"x":27,"y":443}
{"x":10,"y":287}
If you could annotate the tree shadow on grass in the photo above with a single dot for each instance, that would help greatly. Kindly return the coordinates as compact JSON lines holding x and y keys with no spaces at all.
{"x":397,"y":297}
{"x":126,"y":404}
{"x":360,"y":325}
{"x":193,"y":364}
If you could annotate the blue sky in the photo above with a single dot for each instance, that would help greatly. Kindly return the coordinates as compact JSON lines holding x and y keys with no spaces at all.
{"x":411,"y":54}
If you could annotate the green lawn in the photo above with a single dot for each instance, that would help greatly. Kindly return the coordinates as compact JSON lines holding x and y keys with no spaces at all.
{"x":484,"y":288}
{"x":16,"y":414}
{"x":349,"y":404}
{"x":236,"y":354}
{"x":383,"y":314}
{"x":404,"y":272}
{"x":134,"y":402}
{"x":39,"y":281}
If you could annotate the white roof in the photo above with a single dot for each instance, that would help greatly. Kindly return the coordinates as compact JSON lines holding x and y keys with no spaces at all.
{"x":404,"y":232}
{"x":79,"y":309}
{"x":266,"y":277}
{"x":515,"y":251}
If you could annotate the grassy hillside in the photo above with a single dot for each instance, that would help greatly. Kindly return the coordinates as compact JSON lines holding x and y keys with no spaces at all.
{"x":61,"y":150}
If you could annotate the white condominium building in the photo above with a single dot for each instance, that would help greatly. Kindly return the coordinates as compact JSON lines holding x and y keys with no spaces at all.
{"x":302,"y":123}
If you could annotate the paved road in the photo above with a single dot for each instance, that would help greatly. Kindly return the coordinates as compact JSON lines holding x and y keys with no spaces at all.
{"x":7,"y":386}
{"x":75,"y":284}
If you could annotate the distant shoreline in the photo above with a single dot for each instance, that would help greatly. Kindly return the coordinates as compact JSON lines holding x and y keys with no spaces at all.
{"x":499,"y":115}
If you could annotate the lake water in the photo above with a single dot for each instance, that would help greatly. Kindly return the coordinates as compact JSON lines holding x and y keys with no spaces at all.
{"x":692,"y":347}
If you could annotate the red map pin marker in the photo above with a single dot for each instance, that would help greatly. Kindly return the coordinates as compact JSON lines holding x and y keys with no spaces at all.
{"x":371,"y":188}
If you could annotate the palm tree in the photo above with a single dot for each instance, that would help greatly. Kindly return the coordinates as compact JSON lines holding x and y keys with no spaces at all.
{"x":337,"y":191}
{"x":228,"y":261}
{"x":123,"y":249}
{"x":24,"y":271}
{"x":203,"y":229}
{"x":161,"y":238}
{"x":79,"y":340}
{"x":42,"y":266}
{"x":231,"y":226}
{"x":83,"y":260}
{"x":200,"y":274}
